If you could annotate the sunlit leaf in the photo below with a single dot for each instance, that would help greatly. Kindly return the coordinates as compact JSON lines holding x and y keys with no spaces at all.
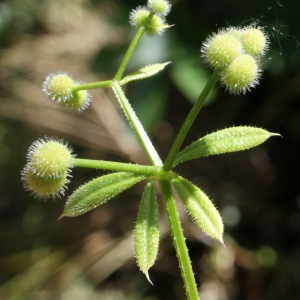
{"x":98,"y":191}
{"x":223,"y":141}
{"x":200,"y":207}
{"x":144,"y":72}
{"x":146,"y":234}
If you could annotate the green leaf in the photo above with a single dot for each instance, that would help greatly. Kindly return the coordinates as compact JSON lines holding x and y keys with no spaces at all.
{"x":146,"y":234}
{"x":144,"y":72}
{"x":200,"y":207}
{"x":223,"y":141}
{"x":98,"y":191}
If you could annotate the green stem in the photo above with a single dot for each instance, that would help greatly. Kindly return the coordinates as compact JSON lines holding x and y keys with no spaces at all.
{"x":115,"y":166}
{"x":136,"y":125}
{"x":130,"y":50}
{"x":188,"y":122}
{"x":179,"y":241}
{"x":92,"y":86}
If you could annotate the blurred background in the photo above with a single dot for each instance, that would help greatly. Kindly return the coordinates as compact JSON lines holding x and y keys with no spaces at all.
{"x":256,"y":191}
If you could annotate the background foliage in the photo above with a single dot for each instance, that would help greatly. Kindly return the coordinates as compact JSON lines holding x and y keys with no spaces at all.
{"x":257,"y":191}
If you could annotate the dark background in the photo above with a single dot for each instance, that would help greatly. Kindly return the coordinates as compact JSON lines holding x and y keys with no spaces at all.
{"x":256,"y":191}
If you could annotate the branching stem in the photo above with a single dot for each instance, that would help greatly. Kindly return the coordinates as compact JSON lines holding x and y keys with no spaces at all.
{"x":188,"y":122}
{"x":136,"y":125}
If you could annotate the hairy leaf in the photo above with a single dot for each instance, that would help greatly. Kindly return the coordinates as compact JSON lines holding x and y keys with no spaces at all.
{"x":146,"y":235}
{"x":98,"y":191}
{"x":200,"y":207}
{"x":223,"y":141}
{"x":144,"y":72}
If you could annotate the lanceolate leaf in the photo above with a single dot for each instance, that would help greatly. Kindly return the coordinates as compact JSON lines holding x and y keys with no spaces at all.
{"x":144,"y":72}
{"x":98,"y":191}
{"x":223,"y":141}
{"x":200,"y":207}
{"x":146,"y":235}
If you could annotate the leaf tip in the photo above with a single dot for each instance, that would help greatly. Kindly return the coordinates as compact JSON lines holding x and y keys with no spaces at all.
{"x":275,"y":134}
{"x":61,"y":216}
{"x":148,"y":278}
{"x":221,"y":240}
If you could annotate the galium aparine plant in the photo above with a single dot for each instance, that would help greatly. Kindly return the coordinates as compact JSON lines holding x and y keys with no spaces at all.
{"x":234,"y":55}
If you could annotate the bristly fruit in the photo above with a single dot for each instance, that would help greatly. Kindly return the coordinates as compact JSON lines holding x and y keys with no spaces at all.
{"x":41,"y":187}
{"x":50,"y":158}
{"x":221,"y":49}
{"x":154,"y":24}
{"x":241,"y":75}
{"x":58,"y":88}
{"x":234,"y":53}
{"x":255,"y":41}
{"x":161,"y":7}
{"x":138,"y":16}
